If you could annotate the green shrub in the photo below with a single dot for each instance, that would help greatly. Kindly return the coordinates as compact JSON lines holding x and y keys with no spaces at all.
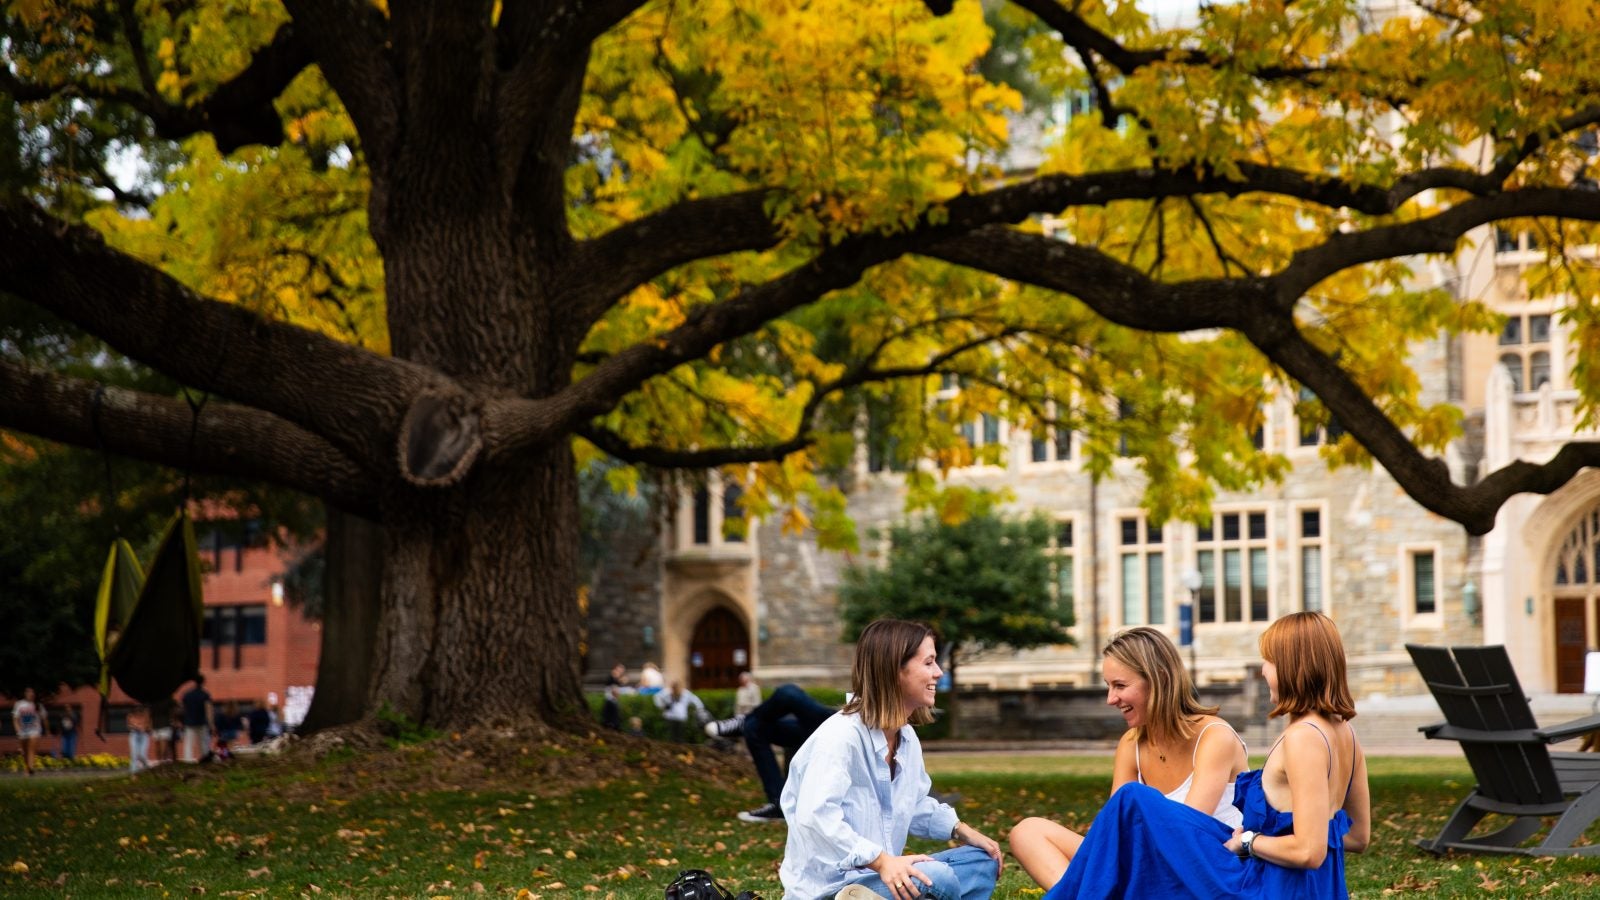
{"x":719,"y":704}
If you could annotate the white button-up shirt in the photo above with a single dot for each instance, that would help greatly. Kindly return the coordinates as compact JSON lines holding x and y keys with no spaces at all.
{"x":843,"y":809}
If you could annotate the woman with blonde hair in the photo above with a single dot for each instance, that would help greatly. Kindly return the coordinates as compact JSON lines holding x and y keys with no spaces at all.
{"x":1303,"y":810}
{"x":858,"y":787}
{"x":1173,"y":744}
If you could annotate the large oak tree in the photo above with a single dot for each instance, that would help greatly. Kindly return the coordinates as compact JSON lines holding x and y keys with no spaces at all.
{"x":433,"y":256}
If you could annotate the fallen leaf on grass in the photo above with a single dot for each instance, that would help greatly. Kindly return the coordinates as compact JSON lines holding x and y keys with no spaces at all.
{"x":257,"y":873}
{"x":19,"y":867}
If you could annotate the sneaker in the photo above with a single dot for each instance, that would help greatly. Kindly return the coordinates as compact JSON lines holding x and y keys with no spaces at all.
{"x":726,"y":727}
{"x":767,"y":813}
{"x":856,"y":892}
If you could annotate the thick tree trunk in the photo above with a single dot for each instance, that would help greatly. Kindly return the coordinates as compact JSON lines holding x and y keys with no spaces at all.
{"x":480,"y":613}
{"x":352,"y":582}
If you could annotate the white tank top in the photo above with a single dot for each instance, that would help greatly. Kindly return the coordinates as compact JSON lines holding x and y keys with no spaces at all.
{"x":1226,"y":812}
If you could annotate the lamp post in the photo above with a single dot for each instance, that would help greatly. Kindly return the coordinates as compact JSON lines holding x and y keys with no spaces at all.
{"x":1193,"y":581}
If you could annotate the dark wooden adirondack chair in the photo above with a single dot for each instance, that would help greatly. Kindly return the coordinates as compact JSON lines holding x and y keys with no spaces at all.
{"x":1518,"y":776}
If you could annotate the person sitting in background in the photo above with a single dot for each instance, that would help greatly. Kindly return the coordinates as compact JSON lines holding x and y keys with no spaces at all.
{"x":676,"y":704}
{"x":786,"y":719}
{"x":747,"y":696}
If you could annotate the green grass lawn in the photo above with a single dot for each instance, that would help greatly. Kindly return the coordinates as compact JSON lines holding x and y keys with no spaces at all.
{"x":596,"y":820}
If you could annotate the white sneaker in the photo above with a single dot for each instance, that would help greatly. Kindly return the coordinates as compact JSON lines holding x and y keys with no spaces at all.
{"x":725,"y":727}
{"x":856,"y":892}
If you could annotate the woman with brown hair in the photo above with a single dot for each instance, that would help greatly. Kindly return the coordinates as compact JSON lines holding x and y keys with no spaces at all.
{"x":858,"y":788}
{"x":1173,"y":744}
{"x":1303,"y":810}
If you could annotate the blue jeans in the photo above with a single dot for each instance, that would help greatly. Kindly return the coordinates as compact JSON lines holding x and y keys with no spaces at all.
{"x":786,"y":719}
{"x":69,"y":744}
{"x":138,"y":750}
{"x":960,"y":873}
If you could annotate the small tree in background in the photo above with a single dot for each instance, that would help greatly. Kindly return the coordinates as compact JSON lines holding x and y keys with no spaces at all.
{"x":982,"y":582}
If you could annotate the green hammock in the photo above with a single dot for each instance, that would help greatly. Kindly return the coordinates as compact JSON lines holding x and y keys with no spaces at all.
{"x":156,"y":644}
{"x":119,"y":593}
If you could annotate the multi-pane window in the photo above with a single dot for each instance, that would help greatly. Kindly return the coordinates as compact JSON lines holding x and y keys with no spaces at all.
{"x":1235,"y":578}
{"x":1064,"y":564}
{"x":1424,"y":594}
{"x":1527,"y":355}
{"x":1143,"y":569}
{"x":712,"y":515}
{"x":235,"y":626}
{"x":702,"y":516}
{"x":732,"y":512}
{"x":1311,"y":543}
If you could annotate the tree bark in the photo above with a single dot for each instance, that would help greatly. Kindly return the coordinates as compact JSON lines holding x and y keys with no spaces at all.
{"x":480,"y":621}
{"x":352,"y":593}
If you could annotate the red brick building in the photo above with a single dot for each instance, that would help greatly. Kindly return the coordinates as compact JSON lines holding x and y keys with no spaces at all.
{"x":255,"y":647}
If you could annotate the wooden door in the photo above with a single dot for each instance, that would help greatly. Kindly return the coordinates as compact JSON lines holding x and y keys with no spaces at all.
{"x":718,"y":651}
{"x":1571,"y":643}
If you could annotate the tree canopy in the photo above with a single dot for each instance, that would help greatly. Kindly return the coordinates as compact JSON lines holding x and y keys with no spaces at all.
{"x":435,"y":256}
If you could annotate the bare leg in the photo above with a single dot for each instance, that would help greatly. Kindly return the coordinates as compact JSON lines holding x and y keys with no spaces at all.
{"x":1044,"y":849}
{"x":27,"y":754}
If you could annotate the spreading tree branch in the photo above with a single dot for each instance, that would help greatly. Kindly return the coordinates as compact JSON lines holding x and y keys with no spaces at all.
{"x":228,"y":439}
{"x":355,"y":399}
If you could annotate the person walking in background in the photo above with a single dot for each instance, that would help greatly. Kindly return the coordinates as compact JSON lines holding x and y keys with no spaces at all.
{"x":747,"y":696}
{"x":69,"y":733}
{"x":28,"y":722}
{"x":139,"y":739}
{"x":675,"y":704}
{"x":197,"y":716}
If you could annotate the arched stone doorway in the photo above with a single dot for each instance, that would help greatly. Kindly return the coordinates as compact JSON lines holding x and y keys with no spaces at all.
{"x":1575,"y":594}
{"x":719,"y":650}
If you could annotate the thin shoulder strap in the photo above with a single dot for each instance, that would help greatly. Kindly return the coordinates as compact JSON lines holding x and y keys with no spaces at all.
{"x":1195,"y":754}
{"x":1324,"y":737}
{"x":1138,"y":770}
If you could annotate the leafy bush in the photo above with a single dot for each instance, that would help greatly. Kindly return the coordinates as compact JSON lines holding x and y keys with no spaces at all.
{"x":83,"y":761}
{"x":719,"y":704}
